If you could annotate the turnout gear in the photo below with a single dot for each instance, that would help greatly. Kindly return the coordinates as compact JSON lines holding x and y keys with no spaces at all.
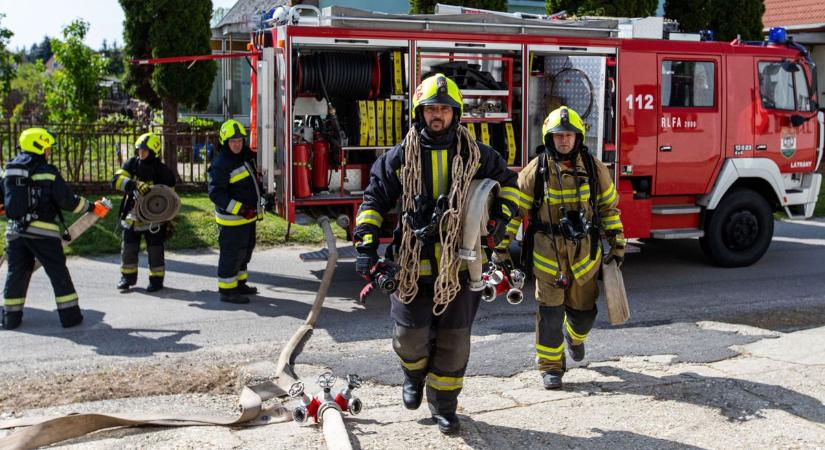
{"x":38,"y":235}
{"x":433,"y":347}
{"x":572,"y":203}
{"x":236,"y":192}
{"x":136,"y":177}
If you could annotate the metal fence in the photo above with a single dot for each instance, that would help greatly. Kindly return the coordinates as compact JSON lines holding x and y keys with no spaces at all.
{"x":88,"y":155}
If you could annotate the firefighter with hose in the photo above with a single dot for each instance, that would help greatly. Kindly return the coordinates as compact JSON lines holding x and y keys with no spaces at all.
{"x":572,"y":203}
{"x":429,"y":173}
{"x":236,"y":192}
{"x":135,"y":178}
{"x":34,"y":193}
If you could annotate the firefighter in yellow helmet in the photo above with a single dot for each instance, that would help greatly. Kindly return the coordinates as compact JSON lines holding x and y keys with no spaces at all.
{"x":433,"y":349}
{"x":34,"y":193}
{"x":135,"y":178}
{"x":572,"y":203}
{"x":236,"y":192}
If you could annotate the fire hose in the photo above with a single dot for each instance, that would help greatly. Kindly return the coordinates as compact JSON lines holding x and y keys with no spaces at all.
{"x":160,"y":204}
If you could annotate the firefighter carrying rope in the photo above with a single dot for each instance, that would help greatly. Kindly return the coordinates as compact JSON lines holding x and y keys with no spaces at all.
{"x":433,"y":309}
{"x":572,"y":202}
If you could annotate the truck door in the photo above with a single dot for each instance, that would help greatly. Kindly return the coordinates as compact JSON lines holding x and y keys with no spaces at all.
{"x":690,"y":123}
{"x":784,"y":90}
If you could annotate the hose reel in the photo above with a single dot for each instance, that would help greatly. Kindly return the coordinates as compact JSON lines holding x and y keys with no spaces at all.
{"x":160,"y":204}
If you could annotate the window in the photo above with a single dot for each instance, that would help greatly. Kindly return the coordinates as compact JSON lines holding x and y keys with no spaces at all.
{"x":688,"y":84}
{"x":783,"y":85}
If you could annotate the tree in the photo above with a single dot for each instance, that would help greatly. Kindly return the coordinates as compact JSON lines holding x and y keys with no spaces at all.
{"x":157,"y":28}
{"x":7,"y":65}
{"x":28,"y":90}
{"x":428,"y":6}
{"x":611,"y":8}
{"x":73,"y":93}
{"x":692,"y":15}
{"x":114,"y":58}
{"x":734,"y":18}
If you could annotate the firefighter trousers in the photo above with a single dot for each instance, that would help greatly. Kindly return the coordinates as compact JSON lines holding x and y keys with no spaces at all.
{"x":20,"y":255}
{"x":572,"y":311}
{"x":130,"y":247}
{"x":237,"y":244}
{"x":435,"y":349}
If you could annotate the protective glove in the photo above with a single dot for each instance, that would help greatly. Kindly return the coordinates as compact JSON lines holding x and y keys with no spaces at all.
{"x":248,"y":212}
{"x":143,"y":188}
{"x":366,"y":245}
{"x":617,"y":247}
{"x":500,"y":215}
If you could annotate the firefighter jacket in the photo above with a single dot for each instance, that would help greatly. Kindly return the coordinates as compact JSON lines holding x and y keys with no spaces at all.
{"x":50,"y":193}
{"x":552,"y":251}
{"x":233,"y":183}
{"x":385,"y":190}
{"x":150,"y":170}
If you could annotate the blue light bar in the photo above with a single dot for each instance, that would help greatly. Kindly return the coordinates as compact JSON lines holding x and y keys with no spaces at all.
{"x":777,"y":35}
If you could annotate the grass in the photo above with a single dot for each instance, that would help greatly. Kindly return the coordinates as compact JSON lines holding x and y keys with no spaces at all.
{"x":195,"y":229}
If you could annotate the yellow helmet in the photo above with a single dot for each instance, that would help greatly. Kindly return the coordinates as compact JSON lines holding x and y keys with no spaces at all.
{"x":148,"y":141}
{"x":438,"y":90}
{"x":36,"y":140}
{"x":231,"y":129}
{"x":562,"y":119}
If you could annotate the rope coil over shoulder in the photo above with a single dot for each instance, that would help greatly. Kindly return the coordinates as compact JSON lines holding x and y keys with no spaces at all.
{"x":446,"y":284}
{"x":160,"y":204}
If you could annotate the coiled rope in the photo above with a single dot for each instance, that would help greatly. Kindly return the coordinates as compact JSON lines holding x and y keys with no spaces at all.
{"x":447,"y":284}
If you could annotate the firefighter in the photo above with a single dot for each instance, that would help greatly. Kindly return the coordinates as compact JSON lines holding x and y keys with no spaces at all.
{"x":433,"y":348}
{"x":34,"y":193}
{"x":236,"y":193}
{"x":572,"y":204}
{"x":135,"y":178}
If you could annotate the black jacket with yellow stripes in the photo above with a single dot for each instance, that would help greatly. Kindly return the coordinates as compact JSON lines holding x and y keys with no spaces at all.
{"x":150,"y":170}
{"x":384,"y":189}
{"x":233,"y":182}
{"x":53,"y":194}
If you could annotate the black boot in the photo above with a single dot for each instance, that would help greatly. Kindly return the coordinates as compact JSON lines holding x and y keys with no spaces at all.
{"x":125,"y":283}
{"x":412,"y":392}
{"x":234,"y":297}
{"x":12,"y":319}
{"x":576,"y":351}
{"x":552,"y":379}
{"x":245,"y":289}
{"x":154,"y":286}
{"x":70,"y":317}
{"x":448,"y":423}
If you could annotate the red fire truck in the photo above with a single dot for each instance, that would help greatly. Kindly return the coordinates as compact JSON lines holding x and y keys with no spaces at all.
{"x":706,"y":139}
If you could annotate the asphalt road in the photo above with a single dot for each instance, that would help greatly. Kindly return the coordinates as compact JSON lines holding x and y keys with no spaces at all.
{"x":672,"y":290}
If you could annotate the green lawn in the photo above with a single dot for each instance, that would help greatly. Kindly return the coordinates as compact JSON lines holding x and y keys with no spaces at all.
{"x":196,"y":228}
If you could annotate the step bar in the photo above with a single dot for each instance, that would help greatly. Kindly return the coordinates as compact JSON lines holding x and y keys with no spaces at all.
{"x":669,"y":210}
{"x":677,"y":233}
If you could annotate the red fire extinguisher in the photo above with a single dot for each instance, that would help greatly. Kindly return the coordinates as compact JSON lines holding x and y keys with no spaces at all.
{"x":300,"y":170}
{"x":320,"y":163}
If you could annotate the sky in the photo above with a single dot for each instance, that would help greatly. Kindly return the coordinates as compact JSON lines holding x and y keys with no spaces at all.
{"x":30,"y":20}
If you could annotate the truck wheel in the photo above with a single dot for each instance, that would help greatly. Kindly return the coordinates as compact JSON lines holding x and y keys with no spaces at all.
{"x":739,"y":231}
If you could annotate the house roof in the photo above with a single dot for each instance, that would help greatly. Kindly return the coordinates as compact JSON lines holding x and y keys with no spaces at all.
{"x":794,"y":13}
{"x":239,"y":18}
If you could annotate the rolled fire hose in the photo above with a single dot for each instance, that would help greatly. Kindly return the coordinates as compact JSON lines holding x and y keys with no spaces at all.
{"x":160,"y":204}
{"x":481,"y":194}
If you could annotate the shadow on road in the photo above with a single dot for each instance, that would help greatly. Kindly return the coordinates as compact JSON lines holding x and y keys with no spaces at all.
{"x":105,"y":339}
{"x":737,"y":400}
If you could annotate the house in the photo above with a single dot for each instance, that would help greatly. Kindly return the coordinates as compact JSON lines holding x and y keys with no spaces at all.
{"x":804,"y":20}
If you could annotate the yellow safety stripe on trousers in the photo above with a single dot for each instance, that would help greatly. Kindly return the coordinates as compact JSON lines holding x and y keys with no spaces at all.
{"x":66,"y":298}
{"x":14,"y":301}
{"x":439,"y":160}
{"x":585,"y":264}
{"x":544,"y":264}
{"x":128,"y":270}
{"x":557,"y":196}
{"x":238,"y":174}
{"x":243,"y":275}
{"x":550,"y":353}
{"x":611,"y":222}
{"x":232,"y":220}
{"x":44,"y":177}
{"x":82,"y":205}
{"x":572,"y":332}
{"x":415,"y":365}
{"x":608,"y":195}
{"x":444,"y":383}
{"x":157,"y":271}
{"x":234,"y":206}
{"x":369,"y":216}
{"x":228,"y":283}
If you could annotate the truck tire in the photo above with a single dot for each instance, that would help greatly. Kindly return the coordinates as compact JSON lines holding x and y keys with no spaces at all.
{"x":739,"y":231}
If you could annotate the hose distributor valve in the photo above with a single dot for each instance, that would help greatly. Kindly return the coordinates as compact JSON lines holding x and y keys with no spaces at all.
{"x":345,"y":400}
{"x":499,"y":280}
{"x":308,"y":406}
